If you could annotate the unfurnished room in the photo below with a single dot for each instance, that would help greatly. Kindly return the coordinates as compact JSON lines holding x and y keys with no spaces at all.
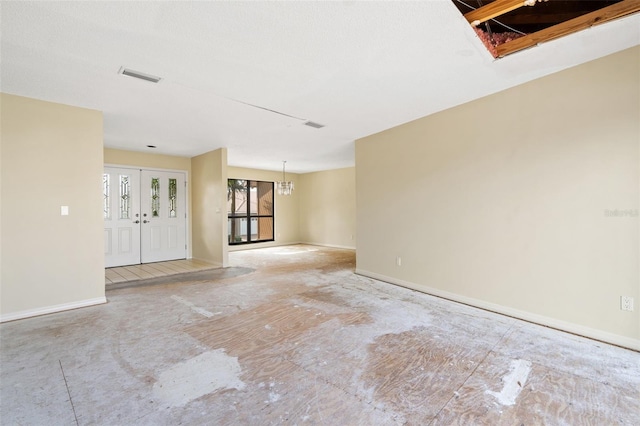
{"x":326,"y":213}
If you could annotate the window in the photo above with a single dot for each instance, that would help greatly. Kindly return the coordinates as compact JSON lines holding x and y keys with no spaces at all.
{"x":250,"y":211}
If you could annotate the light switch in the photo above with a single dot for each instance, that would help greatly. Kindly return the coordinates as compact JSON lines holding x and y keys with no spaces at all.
{"x":64,"y":210}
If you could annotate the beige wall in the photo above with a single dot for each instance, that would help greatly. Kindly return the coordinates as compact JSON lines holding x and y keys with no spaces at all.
{"x":328,"y":208}
{"x":146,"y":160}
{"x":209,"y":205}
{"x":286,"y":207}
{"x":51,"y":157}
{"x":502,"y":202}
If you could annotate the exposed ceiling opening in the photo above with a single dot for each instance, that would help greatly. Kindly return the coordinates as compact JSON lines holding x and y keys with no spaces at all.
{"x":508,"y":26}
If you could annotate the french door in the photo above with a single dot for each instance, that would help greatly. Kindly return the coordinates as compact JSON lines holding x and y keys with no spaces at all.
{"x":145,"y":216}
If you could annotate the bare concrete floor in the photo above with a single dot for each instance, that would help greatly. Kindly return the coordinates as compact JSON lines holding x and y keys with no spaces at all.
{"x":290,"y":335}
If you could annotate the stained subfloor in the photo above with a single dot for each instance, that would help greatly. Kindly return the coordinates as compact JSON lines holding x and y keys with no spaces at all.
{"x":290,"y":335}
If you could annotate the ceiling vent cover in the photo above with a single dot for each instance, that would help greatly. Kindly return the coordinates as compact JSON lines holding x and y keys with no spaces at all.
{"x":314,"y":125}
{"x":140,"y":75}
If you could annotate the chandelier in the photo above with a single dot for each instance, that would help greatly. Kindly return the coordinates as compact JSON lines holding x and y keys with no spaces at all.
{"x":284,"y":187}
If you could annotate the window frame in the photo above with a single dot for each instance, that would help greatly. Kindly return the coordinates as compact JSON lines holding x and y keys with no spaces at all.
{"x":247,"y":214}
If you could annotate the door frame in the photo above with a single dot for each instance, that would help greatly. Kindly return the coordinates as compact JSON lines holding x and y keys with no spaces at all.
{"x":187,"y":193}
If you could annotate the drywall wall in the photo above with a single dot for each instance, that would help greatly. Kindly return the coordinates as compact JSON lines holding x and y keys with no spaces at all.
{"x":328,"y":207}
{"x":1,"y":239}
{"x":286,"y":207}
{"x":147,"y":160}
{"x":209,"y":206}
{"x":51,"y":157}
{"x":524,"y":202}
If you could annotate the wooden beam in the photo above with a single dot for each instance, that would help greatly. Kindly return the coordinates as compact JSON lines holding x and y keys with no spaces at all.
{"x":615,"y":11}
{"x":524,"y":19}
{"x":491,"y":10}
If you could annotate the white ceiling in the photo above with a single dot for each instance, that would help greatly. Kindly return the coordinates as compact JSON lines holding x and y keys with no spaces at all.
{"x":357,"y":67}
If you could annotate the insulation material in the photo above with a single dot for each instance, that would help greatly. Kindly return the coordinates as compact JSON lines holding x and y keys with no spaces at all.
{"x":495,"y":39}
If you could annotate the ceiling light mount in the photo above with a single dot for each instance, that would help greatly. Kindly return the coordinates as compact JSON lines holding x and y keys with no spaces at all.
{"x":139,"y":75}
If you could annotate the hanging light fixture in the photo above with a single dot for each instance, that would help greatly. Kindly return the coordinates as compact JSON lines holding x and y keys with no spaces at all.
{"x":284,"y":187}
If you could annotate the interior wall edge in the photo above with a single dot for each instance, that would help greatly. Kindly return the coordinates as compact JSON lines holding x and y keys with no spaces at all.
{"x":29,"y":313}
{"x":591,"y":333}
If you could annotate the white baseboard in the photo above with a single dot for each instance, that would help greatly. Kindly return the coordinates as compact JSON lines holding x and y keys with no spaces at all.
{"x":569,"y":327}
{"x":254,"y":246}
{"x":329,"y":245}
{"x":52,"y":309}
{"x":276,"y":244}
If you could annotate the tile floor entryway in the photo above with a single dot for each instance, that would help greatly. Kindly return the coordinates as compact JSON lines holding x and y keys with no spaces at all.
{"x":122,"y":274}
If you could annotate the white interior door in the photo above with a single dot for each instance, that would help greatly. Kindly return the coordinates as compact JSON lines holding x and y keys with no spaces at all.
{"x":145,"y":216}
{"x":121,"y":205}
{"x":164,"y":216}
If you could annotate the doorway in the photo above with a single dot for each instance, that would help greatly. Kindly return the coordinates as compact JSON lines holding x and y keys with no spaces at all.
{"x":145,"y":216}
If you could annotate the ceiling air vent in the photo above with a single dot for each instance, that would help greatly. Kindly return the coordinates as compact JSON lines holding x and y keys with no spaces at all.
{"x":314,"y":125}
{"x":140,"y":75}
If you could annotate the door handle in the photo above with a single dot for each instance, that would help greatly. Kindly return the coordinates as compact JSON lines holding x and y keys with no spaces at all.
{"x":137,"y":221}
{"x":146,"y":221}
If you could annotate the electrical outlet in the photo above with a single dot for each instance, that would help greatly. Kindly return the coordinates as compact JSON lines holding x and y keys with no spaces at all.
{"x":398,"y":261}
{"x":626,"y":303}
